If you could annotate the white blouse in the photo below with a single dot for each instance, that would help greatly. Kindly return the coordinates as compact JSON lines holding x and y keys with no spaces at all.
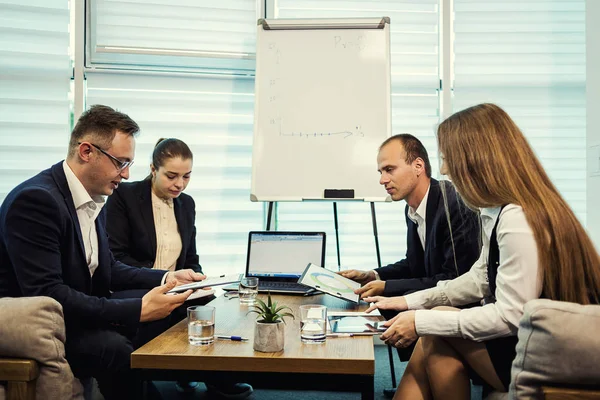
{"x":517,"y":282}
{"x":168,"y":239}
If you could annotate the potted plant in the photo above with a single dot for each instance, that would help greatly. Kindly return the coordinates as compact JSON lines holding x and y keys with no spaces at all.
{"x":269,"y":329}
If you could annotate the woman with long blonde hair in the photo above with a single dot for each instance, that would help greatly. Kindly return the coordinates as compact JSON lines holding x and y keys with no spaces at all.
{"x":533,"y":246}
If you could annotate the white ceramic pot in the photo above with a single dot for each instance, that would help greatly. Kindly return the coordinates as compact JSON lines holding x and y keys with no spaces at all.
{"x":268,"y":337}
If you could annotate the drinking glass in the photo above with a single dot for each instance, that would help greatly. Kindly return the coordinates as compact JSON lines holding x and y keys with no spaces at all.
{"x":248,"y":289}
{"x":313,"y":323}
{"x":201,"y":325}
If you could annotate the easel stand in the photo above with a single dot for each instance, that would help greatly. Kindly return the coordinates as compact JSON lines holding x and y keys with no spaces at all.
{"x":387,"y":392}
{"x":337,"y":235}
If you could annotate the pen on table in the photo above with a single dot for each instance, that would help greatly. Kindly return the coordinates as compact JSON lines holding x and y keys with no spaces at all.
{"x":235,"y":338}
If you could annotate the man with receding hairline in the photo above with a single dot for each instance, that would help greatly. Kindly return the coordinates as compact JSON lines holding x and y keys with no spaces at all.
{"x":435,"y":250}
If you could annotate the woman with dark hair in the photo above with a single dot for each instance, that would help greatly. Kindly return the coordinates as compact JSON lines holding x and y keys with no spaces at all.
{"x":533,"y":246}
{"x":151,"y":223}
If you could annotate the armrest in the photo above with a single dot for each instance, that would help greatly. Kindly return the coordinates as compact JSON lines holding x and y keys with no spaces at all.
{"x":554,"y":393}
{"x":557,"y":347}
{"x":13,"y":369}
{"x":20,"y":376}
{"x":30,"y":327}
{"x":33,"y":328}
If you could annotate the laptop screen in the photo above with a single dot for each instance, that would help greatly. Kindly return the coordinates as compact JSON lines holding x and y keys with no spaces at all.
{"x":273,"y":254}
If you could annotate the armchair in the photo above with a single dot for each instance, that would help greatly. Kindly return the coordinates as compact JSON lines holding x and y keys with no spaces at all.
{"x":32,"y":352}
{"x":558,"y":352}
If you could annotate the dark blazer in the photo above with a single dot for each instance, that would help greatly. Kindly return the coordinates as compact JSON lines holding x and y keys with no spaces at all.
{"x":131,"y":230}
{"x":42,"y":254}
{"x":422,"y":269}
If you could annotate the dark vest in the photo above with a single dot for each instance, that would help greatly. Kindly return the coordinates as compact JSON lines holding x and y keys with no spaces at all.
{"x":493,"y":261}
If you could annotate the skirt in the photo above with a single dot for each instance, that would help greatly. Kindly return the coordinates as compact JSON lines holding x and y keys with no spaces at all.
{"x":502,"y":352}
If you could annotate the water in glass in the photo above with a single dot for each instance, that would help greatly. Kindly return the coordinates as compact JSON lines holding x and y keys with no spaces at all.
{"x":201,"y":332}
{"x":313,"y":330}
{"x":247,"y":295}
{"x":248,"y":289}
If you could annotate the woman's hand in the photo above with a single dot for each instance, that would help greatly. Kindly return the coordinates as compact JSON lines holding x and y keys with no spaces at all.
{"x":402,"y":331}
{"x":386,"y":303}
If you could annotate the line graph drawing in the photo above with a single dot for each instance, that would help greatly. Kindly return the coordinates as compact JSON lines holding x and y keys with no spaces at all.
{"x":345,"y":134}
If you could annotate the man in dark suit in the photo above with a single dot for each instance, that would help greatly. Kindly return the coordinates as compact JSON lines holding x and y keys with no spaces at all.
{"x":441,"y":244}
{"x":53,"y":243}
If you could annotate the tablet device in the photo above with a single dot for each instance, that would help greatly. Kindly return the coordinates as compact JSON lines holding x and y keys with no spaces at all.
{"x":329,"y":282}
{"x":208,"y":282}
{"x":346,"y":324}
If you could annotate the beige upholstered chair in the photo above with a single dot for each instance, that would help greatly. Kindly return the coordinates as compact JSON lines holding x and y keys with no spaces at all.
{"x":32,"y":351}
{"x":558,"y":354}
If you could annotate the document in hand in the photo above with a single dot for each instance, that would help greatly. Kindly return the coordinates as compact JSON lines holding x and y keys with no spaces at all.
{"x":329,"y":282}
{"x":208,"y":282}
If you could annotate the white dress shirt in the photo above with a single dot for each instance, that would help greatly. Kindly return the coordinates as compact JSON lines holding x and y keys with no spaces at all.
{"x":517,"y":282}
{"x":87,"y":209}
{"x":418,"y":217}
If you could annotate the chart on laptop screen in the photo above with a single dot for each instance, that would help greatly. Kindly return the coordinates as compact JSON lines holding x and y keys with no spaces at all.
{"x":283,"y":255}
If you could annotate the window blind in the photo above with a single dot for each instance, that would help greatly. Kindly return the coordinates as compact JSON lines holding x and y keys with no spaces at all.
{"x":173,"y":34}
{"x":414,"y":33}
{"x":529,"y":58}
{"x":35,"y":71}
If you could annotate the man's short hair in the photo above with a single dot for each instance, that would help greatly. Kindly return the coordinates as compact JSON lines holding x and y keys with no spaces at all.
{"x":99,"y":125}
{"x":413,"y":147}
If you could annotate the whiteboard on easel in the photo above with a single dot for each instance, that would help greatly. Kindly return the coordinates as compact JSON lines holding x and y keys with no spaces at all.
{"x":322,"y":108}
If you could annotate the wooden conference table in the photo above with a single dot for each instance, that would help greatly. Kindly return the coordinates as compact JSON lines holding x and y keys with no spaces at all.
{"x":341,"y":364}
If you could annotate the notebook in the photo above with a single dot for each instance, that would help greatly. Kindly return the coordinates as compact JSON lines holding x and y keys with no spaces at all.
{"x":278,"y":259}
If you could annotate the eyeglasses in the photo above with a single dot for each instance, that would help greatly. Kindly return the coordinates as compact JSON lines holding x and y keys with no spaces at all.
{"x":121,"y":165}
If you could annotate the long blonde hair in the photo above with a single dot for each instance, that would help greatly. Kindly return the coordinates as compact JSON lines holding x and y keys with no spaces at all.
{"x":492,"y":164}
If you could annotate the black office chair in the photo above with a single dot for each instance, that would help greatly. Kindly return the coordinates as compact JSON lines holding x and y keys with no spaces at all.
{"x":390,"y":392}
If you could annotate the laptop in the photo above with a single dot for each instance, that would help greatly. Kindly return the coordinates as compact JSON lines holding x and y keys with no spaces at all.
{"x":279,"y":258}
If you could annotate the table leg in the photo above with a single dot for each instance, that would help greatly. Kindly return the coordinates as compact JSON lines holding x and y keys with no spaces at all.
{"x":368,"y":391}
{"x":140,"y":386}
